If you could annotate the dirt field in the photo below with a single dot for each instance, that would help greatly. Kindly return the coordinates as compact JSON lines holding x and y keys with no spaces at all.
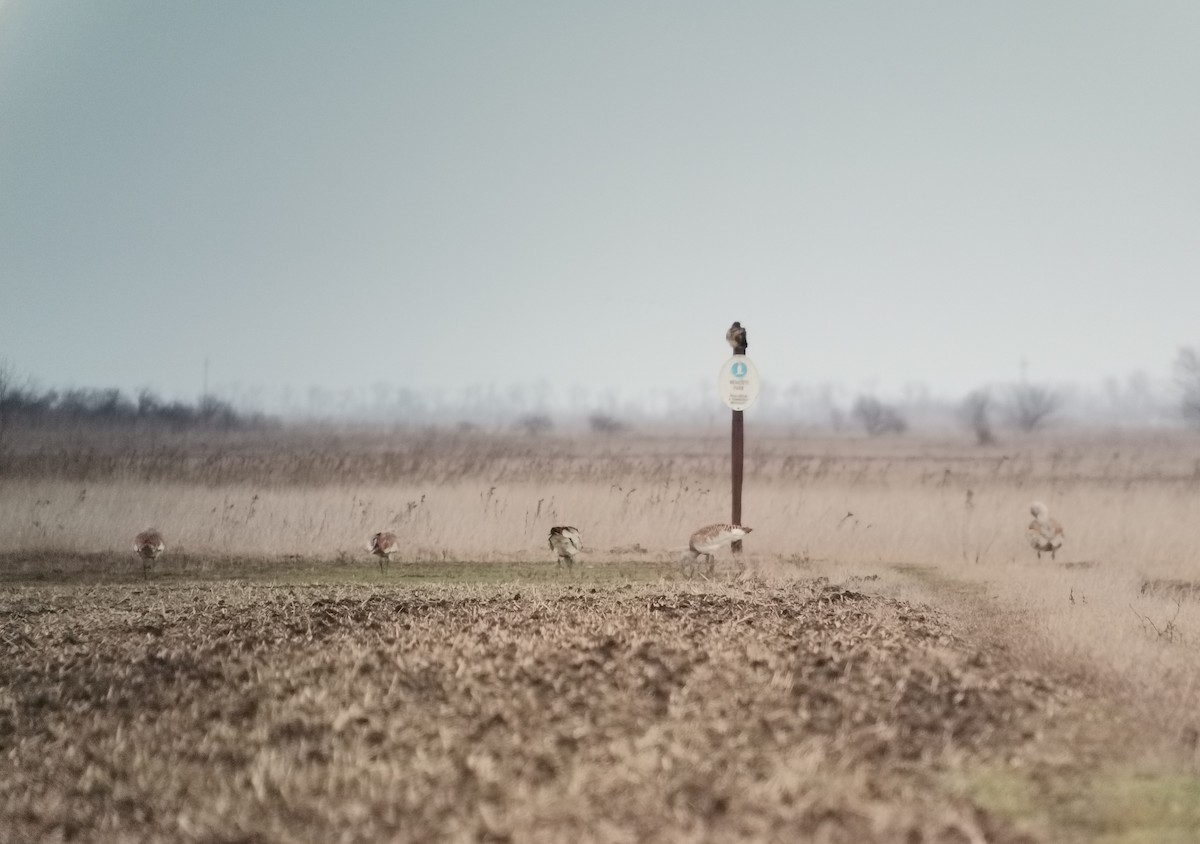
{"x":536,"y":713}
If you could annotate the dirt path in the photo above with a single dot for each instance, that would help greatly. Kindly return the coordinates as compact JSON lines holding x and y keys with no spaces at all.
{"x":1104,"y":767}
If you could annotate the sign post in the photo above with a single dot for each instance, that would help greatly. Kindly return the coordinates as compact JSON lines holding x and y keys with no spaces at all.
{"x":738,"y":455}
{"x":738,"y":384}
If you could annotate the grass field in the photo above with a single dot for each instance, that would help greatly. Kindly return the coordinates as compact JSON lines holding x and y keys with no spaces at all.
{"x":887,"y":661}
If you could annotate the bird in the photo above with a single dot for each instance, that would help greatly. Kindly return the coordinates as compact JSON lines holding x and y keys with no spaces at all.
{"x":149,"y":546}
{"x":383,"y":546}
{"x":712,"y":538}
{"x":736,"y":336}
{"x":566,"y":542}
{"x":1044,"y":533}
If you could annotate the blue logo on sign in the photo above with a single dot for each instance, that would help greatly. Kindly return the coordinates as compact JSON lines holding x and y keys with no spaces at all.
{"x":740,"y":369}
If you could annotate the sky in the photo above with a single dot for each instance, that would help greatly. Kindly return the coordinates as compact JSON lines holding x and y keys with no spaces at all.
{"x":439,"y":195}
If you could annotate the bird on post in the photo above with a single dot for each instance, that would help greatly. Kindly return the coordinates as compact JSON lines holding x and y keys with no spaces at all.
{"x":736,"y":337}
{"x":712,"y":538}
{"x":1044,"y":533}
{"x":149,"y":546}
{"x":567,"y":543}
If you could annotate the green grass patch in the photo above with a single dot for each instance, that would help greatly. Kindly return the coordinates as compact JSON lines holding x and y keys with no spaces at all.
{"x":945,"y":583}
{"x":1104,"y":806}
{"x":46,"y":570}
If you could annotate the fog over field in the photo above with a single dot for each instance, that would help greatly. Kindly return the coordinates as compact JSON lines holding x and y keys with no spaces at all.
{"x":446,"y":201}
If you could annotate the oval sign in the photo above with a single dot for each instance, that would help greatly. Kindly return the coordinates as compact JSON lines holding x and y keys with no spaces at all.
{"x":738,"y":383}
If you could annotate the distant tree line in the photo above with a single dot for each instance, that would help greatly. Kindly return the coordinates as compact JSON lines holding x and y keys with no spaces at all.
{"x":100,"y":406}
{"x":1028,"y":408}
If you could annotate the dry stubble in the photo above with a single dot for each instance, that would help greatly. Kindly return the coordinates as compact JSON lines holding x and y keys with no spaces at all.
{"x":546,"y":714}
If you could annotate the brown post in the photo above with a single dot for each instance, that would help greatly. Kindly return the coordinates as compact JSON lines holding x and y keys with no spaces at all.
{"x":738,"y":455}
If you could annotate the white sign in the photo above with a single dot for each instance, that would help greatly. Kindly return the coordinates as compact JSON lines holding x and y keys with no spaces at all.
{"x":738,"y":383}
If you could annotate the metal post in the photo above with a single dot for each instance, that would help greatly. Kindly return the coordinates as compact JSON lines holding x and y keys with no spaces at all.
{"x":738,"y":455}
{"x":737,"y":475}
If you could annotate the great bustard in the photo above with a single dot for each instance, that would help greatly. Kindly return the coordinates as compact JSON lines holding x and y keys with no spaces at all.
{"x":383,"y":546}
{"x":149,"y":546}
{"x":710,"y":539}
{"x":736,"y":337}
{"x":1044,"y":533}
{"x":566,"y":542}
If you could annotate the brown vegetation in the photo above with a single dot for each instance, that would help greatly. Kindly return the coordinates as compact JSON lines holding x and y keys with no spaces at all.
{"x":799,"y":712}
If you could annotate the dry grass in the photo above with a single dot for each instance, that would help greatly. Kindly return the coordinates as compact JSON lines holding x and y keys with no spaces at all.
{"x":635,"y":713}
{"x":471,"y":497}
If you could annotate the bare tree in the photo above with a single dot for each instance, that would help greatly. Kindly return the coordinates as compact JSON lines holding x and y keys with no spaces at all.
{"x":1032,"y":405}
{"x":535,"y":424}
{"x":602,"y":423}
{"x":7,"y":378}
{"x":147,"y":402}
{"x":1187,"y":379}
{"x":976,"y":414}
{"x":837,"y":418}
{"x":7,"y":387}
{"x":217,"y":412}
{"x":878,"y":418}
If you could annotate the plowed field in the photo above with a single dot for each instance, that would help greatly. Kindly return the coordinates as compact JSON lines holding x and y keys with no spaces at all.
{"x":636,"y":712}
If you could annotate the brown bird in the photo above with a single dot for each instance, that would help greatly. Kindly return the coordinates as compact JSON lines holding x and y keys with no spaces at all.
{"x":567,"y":543}
{"x":736,"y":337}
{"x":383,"y":546}
{"x":712,"y":538}
{"x":149,"y":546}
{"x":1044,"y":533}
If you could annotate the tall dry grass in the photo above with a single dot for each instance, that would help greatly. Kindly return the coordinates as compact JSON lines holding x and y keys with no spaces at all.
{"x":1127,"y":502}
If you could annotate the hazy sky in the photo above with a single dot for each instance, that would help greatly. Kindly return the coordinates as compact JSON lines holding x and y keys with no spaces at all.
{"x":446,"y":194}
